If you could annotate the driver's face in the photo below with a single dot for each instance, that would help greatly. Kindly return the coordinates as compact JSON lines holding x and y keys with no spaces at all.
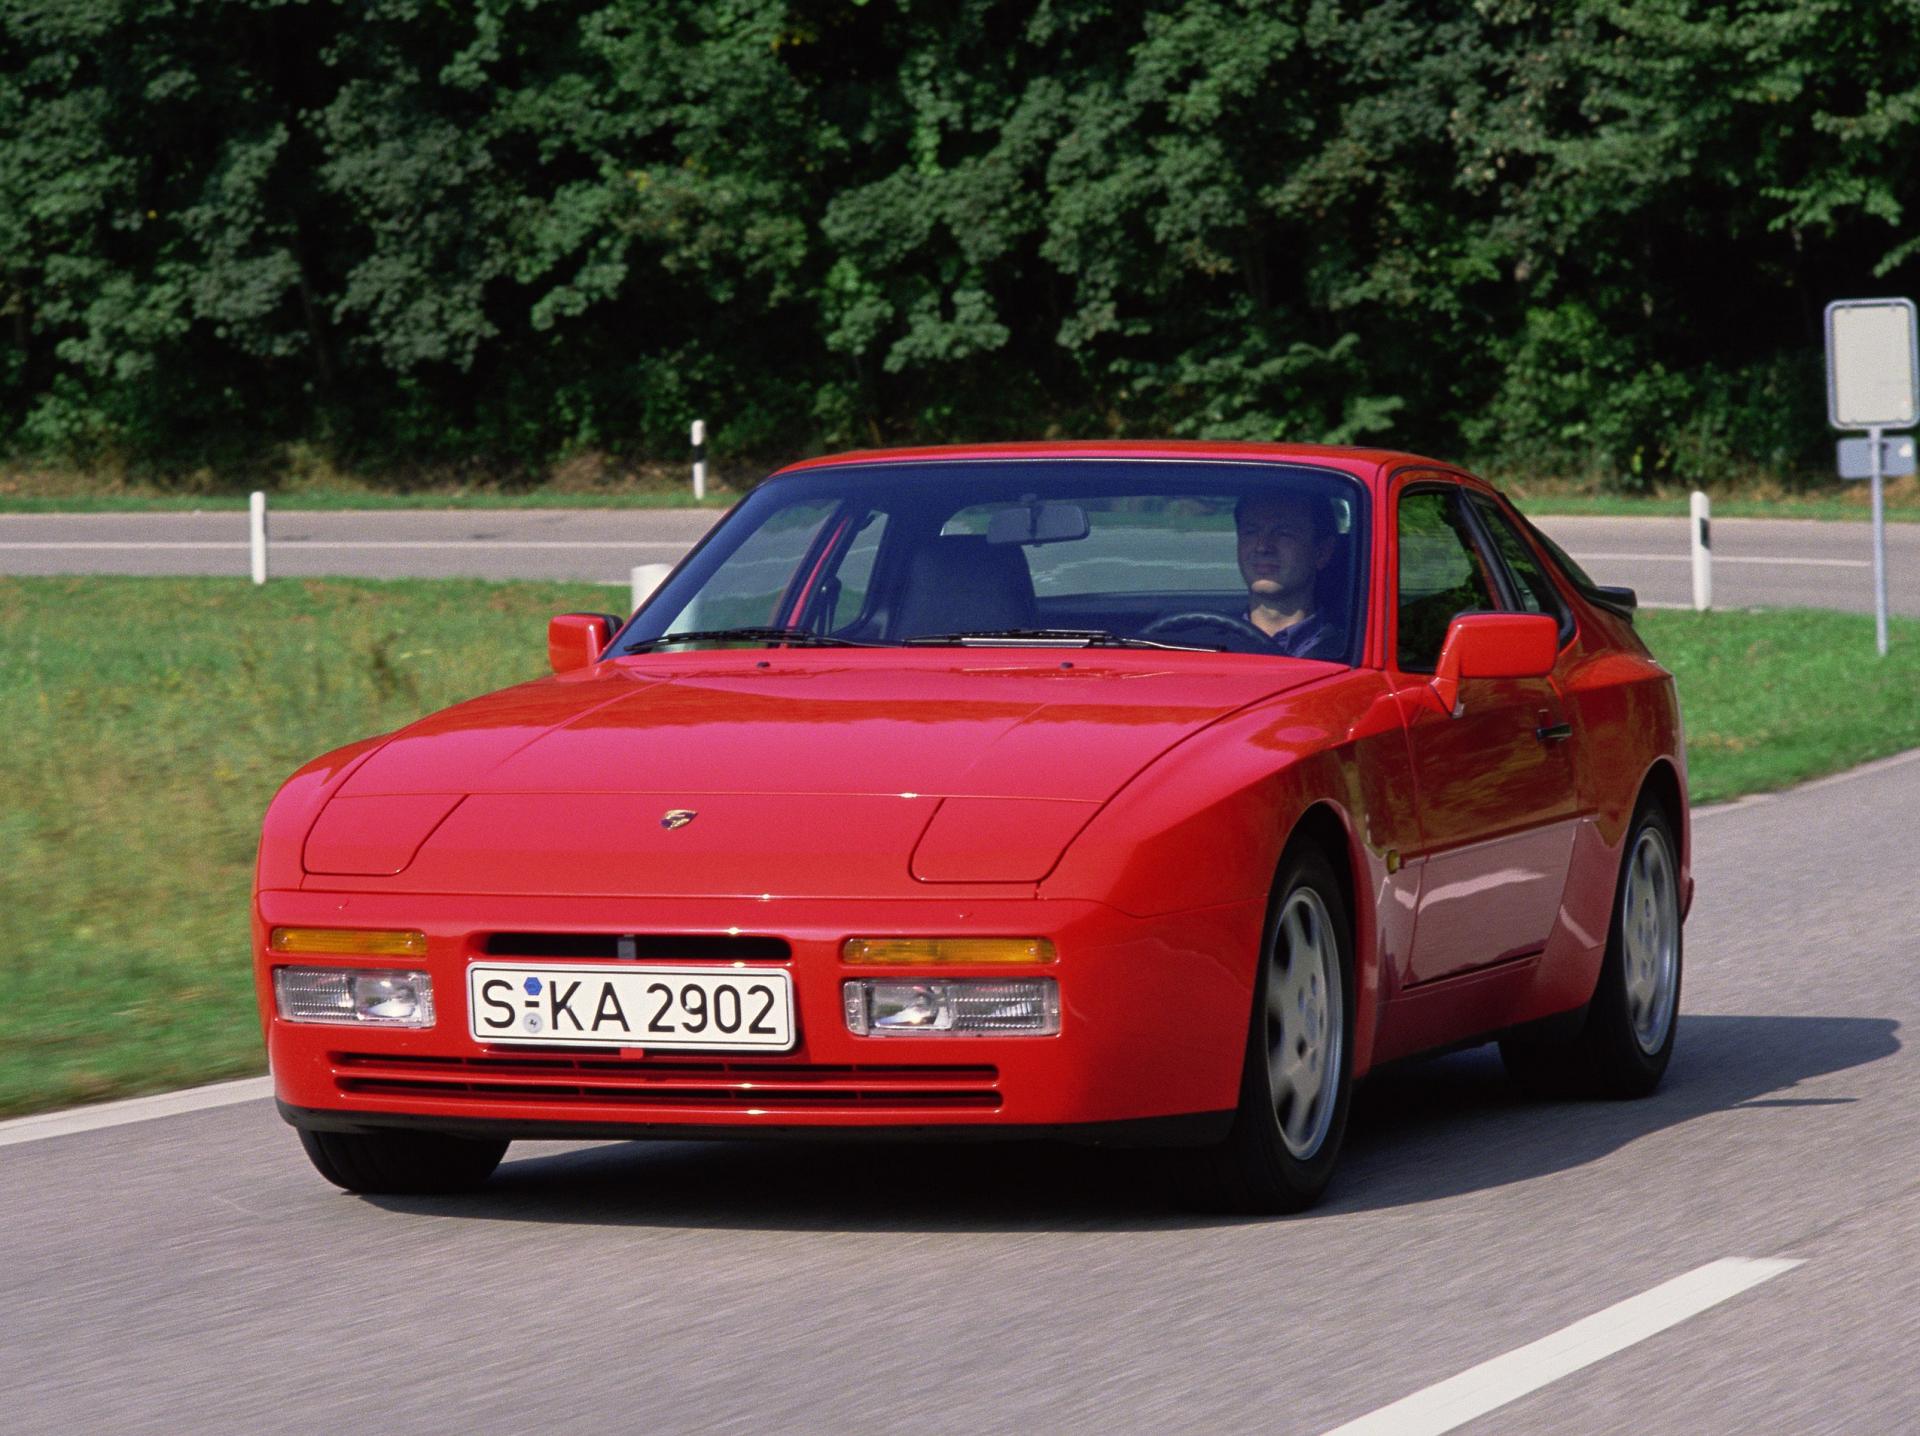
{"x":1278,"y":557}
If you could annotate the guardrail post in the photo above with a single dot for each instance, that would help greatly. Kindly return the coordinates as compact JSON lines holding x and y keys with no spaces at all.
{"x":257,"y":534}
{"x":646,"y":578}
{"x":1702,"y":528}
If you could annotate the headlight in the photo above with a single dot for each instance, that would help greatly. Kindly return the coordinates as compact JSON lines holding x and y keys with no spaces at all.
{"x":953,"y":1007}
{"x":354,"y":995}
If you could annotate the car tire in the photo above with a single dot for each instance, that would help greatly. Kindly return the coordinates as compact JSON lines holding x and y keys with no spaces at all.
{"x":1623,"y":1047}
{"x":402,"y":1163}
{"x":1296,"y":1080}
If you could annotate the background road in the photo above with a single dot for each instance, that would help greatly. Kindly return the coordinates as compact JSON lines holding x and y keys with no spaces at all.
{"x":1757,"y":562}
{"x":193,"y":1272}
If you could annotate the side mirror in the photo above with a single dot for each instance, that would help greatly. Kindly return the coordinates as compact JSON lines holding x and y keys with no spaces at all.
{"x":1494,"y":645}
{"x":576,"y":640}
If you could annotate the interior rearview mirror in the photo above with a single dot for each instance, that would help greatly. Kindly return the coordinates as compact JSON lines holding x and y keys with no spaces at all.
{"x":1038,"y":523}
{"x":1494,"y":645}
{"x":576,"y":640}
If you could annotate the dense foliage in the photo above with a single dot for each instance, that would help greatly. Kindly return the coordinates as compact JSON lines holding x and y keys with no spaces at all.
{"x":1592,"y":235}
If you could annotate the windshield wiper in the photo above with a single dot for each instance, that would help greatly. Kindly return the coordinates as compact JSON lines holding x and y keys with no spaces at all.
{"x":798,"y":636}
{"x":1052,"y":638}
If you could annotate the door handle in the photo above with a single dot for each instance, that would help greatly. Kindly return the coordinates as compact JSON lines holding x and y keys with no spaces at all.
{"x":1554,"y":732}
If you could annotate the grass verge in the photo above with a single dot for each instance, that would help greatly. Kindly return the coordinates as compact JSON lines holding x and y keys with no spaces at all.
{"x":148,"y":721}
{"x":1774,"y":698}
{"x":1614,"y":507}
{"x":660,"y":488}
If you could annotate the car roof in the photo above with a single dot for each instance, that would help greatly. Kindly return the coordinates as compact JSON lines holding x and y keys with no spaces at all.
{"x":1363,"y":463}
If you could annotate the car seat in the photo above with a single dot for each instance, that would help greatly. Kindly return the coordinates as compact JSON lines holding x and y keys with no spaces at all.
{"x":960,"y":583}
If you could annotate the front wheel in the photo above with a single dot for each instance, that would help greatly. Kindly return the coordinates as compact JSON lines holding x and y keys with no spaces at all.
{"x":1626,"y":1041}
{"x":418,"y":1164}
{"x":1297,"y":1080}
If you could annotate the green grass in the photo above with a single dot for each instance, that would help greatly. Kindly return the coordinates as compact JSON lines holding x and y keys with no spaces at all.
{"x":1675,"y":506}
{"x":1772,"y":699}
{"x":147,"y":722}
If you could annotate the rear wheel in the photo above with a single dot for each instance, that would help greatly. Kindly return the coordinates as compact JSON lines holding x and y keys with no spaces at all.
{"x":402,"y":1163}
{"x":1623,"y":1047}
{"x":1297,"y":1079}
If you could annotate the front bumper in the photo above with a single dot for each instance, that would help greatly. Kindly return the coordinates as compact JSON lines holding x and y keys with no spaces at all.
{"x":1153,"y":1027}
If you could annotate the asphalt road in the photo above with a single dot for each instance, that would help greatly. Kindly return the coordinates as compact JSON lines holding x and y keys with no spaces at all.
{"x":192,"y":1272}
{"x":1758,"y":562}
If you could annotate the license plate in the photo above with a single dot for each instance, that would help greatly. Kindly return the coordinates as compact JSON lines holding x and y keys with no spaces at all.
{"x":717,"y":1010}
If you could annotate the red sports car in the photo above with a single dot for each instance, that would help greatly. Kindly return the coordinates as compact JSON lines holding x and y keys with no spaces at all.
{"x":1142,"y":793}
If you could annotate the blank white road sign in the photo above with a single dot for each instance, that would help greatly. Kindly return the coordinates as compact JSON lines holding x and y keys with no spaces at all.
{"x":1871,"y":364}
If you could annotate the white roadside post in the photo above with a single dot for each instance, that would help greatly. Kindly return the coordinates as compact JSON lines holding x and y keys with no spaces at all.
{"x":1873,"y":383}
{"x":699,"y":458}
{"x":646,"y":577}
{"x":257,"y":534}
{"x":1702,"y":517}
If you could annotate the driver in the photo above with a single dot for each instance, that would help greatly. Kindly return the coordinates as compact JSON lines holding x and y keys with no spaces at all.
{"x":1285,"y":541}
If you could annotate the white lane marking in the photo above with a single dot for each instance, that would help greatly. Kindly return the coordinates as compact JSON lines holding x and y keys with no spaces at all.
{"x":1493,"y":1384}
{"x":133,"y":1109}
{"x":1724,"y":558}
{"x":300,"y":543}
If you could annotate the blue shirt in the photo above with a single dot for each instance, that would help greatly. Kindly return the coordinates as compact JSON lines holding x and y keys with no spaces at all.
{"x":1300,"y":640}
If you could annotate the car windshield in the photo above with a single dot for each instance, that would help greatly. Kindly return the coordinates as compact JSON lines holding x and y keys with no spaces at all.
{"x":1253,"y":557}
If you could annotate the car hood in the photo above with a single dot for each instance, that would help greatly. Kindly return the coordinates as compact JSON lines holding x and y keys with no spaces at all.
{"x":805,"y":772}
{"x":1064,"y":729}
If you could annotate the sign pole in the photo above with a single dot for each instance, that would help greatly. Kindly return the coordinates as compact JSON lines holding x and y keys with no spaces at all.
{"x":1879,"y":544}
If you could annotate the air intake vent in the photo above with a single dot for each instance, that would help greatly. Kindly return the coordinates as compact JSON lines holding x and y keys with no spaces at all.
{"x":650,"y":1083}
{"x":644,"y":947}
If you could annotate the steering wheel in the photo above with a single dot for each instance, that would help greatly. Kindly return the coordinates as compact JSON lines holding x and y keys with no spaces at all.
{"x":1200,"y":618}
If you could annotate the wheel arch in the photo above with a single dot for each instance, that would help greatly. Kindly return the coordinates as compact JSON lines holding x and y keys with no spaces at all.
{"x":1322,"y":827}
{"x":1662,"y":785}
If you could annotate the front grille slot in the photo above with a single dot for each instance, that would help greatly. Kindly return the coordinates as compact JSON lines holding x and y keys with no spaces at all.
{"x":650,"y":1083}
{"x":644,"y":947}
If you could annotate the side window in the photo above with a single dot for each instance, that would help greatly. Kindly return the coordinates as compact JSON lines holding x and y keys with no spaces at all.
{"x":854,"y":575}
{"x":747,"y":590}
{"x":1441,"y":575}
{"x":1531,"y":586}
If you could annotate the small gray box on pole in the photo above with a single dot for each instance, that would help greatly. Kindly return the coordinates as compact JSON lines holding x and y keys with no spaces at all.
{"x":1856,"y":457}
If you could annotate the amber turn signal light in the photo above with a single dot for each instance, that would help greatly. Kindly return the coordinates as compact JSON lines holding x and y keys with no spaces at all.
{"x":946,"y":951}
{"x":348,"y":942}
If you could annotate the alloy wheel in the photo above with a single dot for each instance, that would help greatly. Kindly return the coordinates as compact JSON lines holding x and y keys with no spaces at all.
{"x":1305,"y":1023}
{"x":1650,"y":938}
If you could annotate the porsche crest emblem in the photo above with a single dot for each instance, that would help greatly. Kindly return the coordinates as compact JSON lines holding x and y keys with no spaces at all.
{"x":677,"y":817}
